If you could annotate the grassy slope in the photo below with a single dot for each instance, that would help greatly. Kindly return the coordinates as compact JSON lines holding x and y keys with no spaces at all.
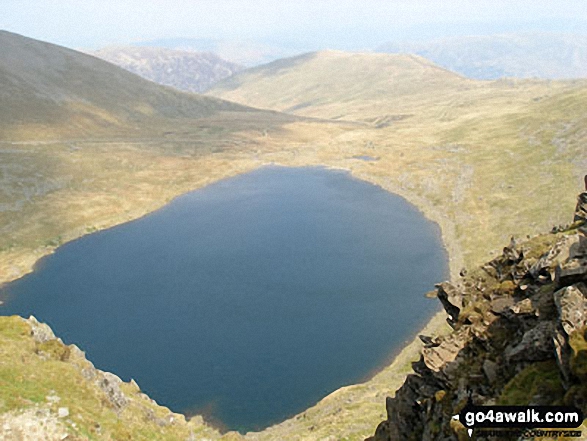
{"x":340,"y":85}
{"x":472,"y":149}
{"x":48,"y":375}
{"x":50,"y":92}
{"x":85,"y":145}
{"x":484,"y":160}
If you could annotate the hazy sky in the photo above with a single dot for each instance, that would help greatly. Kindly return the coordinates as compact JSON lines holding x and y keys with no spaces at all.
{"x":313,"y":24}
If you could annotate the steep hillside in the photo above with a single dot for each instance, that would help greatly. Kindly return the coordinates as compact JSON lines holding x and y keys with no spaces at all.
{"x":341,"y":85}
{"x":183,"y":70}
{"x":555,"y":56}
{"x":48,"y":91}
{"x":519,"y":338}
{"x":85,"y":144}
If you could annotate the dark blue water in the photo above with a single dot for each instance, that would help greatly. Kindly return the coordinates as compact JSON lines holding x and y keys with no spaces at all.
{"x":248,"y":300}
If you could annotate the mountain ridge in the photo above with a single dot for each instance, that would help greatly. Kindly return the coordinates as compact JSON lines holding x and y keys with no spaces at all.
{"x":528,"y":55}
{"x":184,"y":70}
{"x":317,"y":81}
{"x":50,"y":88}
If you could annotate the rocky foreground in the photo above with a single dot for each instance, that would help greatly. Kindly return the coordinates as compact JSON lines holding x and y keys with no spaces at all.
{"x":519,"y":338}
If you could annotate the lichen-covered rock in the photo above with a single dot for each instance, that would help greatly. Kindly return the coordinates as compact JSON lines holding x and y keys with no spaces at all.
{"x":536,"y":345}
{"x":41,"y":332}
{"x":559,"y":253}
{"x":110,"y":384}
{"x":571,"y":303}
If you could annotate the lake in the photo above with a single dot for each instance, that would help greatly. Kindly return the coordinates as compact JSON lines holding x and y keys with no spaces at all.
{"x":248,"y":300}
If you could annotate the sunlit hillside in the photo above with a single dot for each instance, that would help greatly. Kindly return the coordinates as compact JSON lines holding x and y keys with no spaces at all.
{"x":473,"y":149}
{"x":49,"y":92}
{"x":85,"y":145}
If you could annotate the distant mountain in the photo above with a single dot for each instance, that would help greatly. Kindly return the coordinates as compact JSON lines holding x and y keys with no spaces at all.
{"x":185,"y":70}
{"x":342,"y":85}
{"x":555,"y":56}
{"x":48,"y":90}
{"x":246,"y":53}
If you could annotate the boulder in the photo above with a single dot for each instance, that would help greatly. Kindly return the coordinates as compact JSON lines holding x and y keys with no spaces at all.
{"x":451,"y":299}
{"x":437,"y":357}
{"x":110,"y":385}
{"x":571,"y":303}
{"x":41,"y":332}
{"x":571,"y":272}
{"x":536,"y":345}
{"x":544,"y":268}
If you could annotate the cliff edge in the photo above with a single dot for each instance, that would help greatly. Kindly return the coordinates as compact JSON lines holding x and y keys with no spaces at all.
{"x":519,"y":338}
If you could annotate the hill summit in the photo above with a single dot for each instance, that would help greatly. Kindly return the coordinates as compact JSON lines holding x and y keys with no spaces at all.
{"x":339,"y":85}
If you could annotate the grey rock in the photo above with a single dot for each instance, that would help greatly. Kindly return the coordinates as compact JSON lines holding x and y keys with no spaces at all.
{"x":490,"y":370}
{"x":562,"y":354}
{"x":451,"y":299}
{"x":41,"y":332}
{"x":429,"y":342}
{"x":437,"y":357}
{"x":536,"y":345}
{"x":110,"y":385}
{"x":571,"y":271}
{"x":581,"y":208}
{"x":571,"y":303}
{"x":566,"y":247}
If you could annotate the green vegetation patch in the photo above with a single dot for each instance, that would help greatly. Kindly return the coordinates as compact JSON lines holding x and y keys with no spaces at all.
{"x":539,"y":379}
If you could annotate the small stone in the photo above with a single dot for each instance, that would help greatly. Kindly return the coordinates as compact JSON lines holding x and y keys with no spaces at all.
{"x":134,"y":384}
{"x":53,"y":398}
{"x":524,"y":307}
{"x":63,"y":412}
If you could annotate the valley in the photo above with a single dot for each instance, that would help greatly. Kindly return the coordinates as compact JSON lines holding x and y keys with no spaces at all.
{"x":485,"y":160}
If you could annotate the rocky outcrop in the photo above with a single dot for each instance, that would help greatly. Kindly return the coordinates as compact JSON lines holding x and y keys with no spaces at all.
{"x":581,"y":210}
{"x":519,"y":338}
{"x":53,"y":392}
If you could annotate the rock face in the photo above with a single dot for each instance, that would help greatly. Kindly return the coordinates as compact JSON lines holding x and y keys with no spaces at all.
{"x":581,"y":210}
{"x":519,"y":338}
{"x":184,"y":70}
